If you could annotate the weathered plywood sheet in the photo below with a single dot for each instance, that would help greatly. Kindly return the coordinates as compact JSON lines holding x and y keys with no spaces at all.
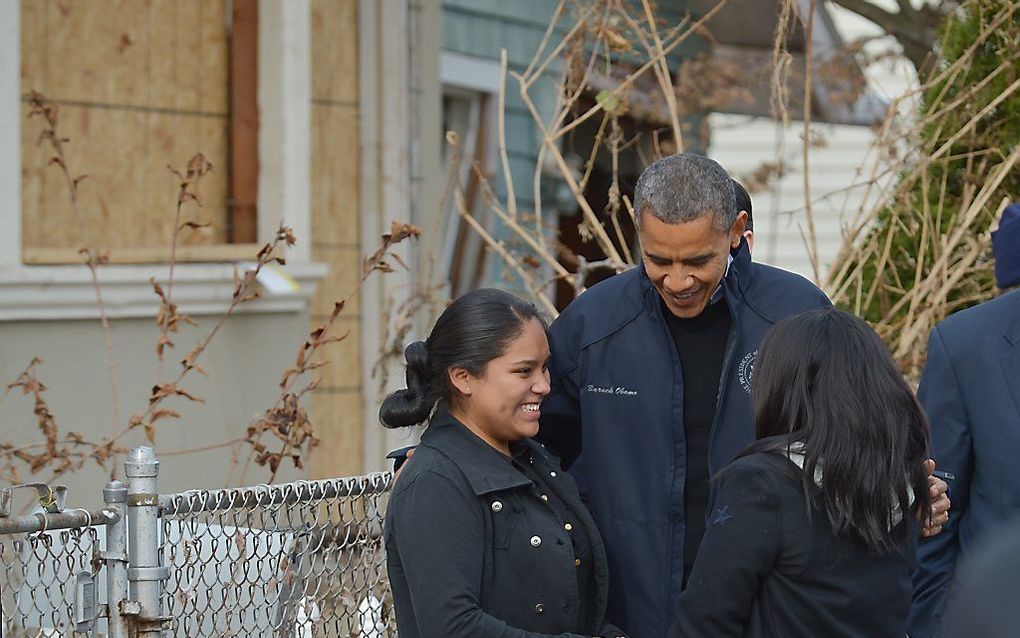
{"x":170,"y":54}
{"x":190,"y":55}
{"x":129,"y":198}
{"x":343,"y":277}
{"x":140,"y":84}
{"x":335,"y":51}
{"x":337,"y":402}
{"x":343,"y":372}
{"x":229,"y":253}
{"x":336,"y":417}
{"x":335,"y":175}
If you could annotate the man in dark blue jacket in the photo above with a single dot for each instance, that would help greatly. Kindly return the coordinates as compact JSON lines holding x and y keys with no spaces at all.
{"x":970,"y":389}
{"x":651,"y":376}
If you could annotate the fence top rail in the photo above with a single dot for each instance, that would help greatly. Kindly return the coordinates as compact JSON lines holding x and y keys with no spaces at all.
{"x":254,"y":496}
{"x":45,"y":521}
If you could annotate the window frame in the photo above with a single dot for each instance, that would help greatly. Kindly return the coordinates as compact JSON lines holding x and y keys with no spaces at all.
{"x":476,"y":81}
{"x":65,"y":291}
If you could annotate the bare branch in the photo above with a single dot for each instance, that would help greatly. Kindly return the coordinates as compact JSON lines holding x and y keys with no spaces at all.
{"x":40,"y":106}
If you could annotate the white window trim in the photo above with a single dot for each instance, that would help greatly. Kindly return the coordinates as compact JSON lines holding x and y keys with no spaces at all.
{"x":467,"y":72}
{"x":472,"y":78}
{"x":66,"y":291}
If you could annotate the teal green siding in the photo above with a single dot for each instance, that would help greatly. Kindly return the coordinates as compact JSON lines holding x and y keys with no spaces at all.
{"x":481,"y":28}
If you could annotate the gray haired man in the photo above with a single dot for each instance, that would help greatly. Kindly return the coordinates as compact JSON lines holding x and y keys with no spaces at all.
{"x":651,"y":379}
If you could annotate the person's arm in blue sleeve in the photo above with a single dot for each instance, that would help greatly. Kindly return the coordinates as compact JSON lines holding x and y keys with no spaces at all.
{"x":440,"y":537}
{"x":560,"y":425}
{"x":942,"y":400}
{"x":741,"y":545}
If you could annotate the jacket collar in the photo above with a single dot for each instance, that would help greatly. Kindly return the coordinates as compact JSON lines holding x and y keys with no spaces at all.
{"x":486,"y":469}
{"x":1011,"y":356}
{"x":737,"y":277}
{"x":1012,"y":333}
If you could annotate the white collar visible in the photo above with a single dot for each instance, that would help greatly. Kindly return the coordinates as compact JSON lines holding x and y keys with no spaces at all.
{"x":796,"y":456}
{"x":717,"y":294}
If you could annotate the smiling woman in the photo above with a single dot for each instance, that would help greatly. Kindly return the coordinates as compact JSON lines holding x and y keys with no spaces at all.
{"x":485,"y":535}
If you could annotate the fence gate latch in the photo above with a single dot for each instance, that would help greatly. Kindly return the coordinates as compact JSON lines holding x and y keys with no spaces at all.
{"x":84,"y":603}
{"x":51,"y":498}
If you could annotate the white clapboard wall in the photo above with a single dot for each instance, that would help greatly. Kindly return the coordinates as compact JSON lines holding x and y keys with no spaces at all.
{"x":742,"y":144}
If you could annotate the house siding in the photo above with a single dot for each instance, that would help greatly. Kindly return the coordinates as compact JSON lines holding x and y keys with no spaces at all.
{"x":741,"y":144}
{"x":480,"y":29}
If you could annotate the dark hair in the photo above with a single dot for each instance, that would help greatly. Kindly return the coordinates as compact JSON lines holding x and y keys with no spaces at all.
{"x":743,"y":200}
{"x":683,"y":187}
{"x":471,"y":332}
{"x":824,"y":382}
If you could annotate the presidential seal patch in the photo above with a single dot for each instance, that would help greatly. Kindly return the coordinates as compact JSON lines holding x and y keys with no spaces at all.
{"x":746,"y":370}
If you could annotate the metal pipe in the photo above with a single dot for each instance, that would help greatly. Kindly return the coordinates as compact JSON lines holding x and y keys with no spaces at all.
{"x":198,"y":501}
{"x":115,"y":497}
{"x":39,"y":522}
{"x":145,"y":575}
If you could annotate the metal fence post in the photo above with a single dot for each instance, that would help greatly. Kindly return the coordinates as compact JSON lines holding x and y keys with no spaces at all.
{"x":115,"y":497}
{"x":145,"y":574}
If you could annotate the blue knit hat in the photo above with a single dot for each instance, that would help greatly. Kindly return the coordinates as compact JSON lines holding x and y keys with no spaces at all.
{"x":1006,"y":248}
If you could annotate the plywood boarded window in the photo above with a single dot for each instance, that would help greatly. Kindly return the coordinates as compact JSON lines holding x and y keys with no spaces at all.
{"x":140,"y":85}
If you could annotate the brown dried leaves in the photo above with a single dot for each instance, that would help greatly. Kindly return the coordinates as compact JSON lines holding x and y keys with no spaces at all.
{"x":29,"y":384}
{"x":287,"y":421}
{"x":167,"y":317}
{"x":198,"y":167}
{"x":55,"y":453}
{"x":399,"y":231}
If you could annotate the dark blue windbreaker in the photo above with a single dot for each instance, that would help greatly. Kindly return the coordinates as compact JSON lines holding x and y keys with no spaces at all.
{"x":615,"y":417}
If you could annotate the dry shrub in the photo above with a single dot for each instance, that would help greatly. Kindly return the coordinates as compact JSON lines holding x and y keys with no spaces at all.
{"x":920,"y":248}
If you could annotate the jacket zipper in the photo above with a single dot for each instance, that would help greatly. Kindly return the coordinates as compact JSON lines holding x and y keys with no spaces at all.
{"x":731,"y":345}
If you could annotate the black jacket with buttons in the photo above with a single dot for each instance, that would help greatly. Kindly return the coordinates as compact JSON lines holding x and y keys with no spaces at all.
{"x":474,"y":552}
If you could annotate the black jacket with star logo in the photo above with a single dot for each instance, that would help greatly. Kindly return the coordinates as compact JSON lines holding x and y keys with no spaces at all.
{"x":767,"y":570}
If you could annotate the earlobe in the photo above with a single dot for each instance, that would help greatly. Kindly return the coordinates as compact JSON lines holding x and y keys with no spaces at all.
{"x":459,"y":377}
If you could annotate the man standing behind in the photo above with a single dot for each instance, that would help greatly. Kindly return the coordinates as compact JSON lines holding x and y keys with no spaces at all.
{"x":970,"y":389}
{"x":651,"y":376}
{"x":743,"y":200}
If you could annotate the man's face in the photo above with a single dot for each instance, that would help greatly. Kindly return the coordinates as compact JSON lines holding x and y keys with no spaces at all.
{"x":687,"y":261}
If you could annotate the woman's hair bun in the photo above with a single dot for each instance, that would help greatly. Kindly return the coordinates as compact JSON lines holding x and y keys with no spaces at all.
{"x":416,"y":354}
{"x":413,"y":405}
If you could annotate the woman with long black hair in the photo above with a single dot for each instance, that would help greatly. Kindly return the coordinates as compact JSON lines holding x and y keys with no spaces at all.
{"x":812,"y":530}
{"x":485,"y":536}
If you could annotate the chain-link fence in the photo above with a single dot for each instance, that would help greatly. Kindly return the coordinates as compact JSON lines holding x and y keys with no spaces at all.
{"x":301,"y":559}
{"x":50,"y":562}
{"x":294,"y":560}
{"x":39,"y":576}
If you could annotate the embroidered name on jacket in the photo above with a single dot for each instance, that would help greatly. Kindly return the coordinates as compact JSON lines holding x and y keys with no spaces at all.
{"x":608,"y":389}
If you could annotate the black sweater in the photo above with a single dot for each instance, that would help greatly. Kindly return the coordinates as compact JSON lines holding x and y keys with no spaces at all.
{"x":763,"y":570}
